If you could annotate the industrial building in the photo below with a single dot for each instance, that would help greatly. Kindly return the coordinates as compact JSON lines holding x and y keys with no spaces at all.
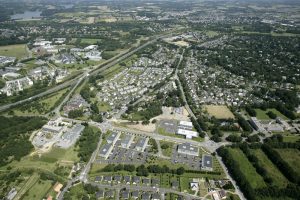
{"x":113,"y":137}
{"x":141,"y":144}
{"x":105,"y":150}
{"x":188,"y":149}
{"x":126,"y":141}
{"x":207,"y":162}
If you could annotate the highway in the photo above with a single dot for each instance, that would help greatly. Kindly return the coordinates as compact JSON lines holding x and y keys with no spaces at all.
{"x":98,"y":68}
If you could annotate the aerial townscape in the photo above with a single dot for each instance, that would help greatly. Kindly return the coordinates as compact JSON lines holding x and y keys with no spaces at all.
{"x":149,"y":100}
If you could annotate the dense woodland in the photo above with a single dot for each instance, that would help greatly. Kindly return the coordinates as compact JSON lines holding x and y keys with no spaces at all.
{"x":14,"y":134}
{"x":87,"y":143}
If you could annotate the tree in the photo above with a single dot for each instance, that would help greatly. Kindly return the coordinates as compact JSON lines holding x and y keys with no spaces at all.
{"x":180,"y":171}
{"x":271,"y":115}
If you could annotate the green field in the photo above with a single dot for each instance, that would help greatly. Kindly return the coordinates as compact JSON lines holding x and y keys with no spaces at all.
{"x":46,"y":162}
{"x":162,"y":131}
{"x":18,"y":51}
{"x":261,"y":114}
{"x":89,"y":40}
{"x":30,"y":182}
{"x":291,"y":138}
{"x":47,"y":103}
{"x":292,"y":157}
{"x":255,"y":180}
{"x":169,"y":147}
{"x":38,"y":190}
{"x":104,"y":107}
{"x":279,"y":179}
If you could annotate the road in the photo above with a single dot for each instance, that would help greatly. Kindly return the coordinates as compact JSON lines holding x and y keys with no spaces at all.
{"x":84,"y":173}
{"x":57,"y":109}
{"x":237,"y":189}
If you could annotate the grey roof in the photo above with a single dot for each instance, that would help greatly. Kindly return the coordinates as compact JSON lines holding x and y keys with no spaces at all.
{"x":109,"y":193}
{"x":125,"y":194}
{"x":146,"y":180}
{"x":127,"y":178}
{"x":175,"y":183}
{"x":112,"y":136}
{"x":155,"y":181}
{"x":188,"y":147}
{"x":136,"y":179}
{"x":155,"y":196}
{"x":100,"y":194}
{"x":74,"y":132}
{"x":146,"y":196}
{"x":104,"y":149}
{"x":141,"y":142}
{"x":207,"y":161}
{"x":97,"y":178}
{"x":107,"y":178}
{"x":117,"y":178}
{"x":126,"y":139}
{"x":135,"y":193}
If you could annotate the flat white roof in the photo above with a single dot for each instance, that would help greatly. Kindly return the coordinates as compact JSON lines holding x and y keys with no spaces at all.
{"x":186,"y":123}
{"x":189,"y":134}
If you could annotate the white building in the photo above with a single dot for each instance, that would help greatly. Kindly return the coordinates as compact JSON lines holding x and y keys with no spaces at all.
{"x":93,"y":55}
{"x":91,"y":47}
{"x":16,"y":85}
{"x":187,"y":133}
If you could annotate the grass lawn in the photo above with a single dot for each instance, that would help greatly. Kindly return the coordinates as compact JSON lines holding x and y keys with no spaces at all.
{"x":104,"y":107}
{"x":18,"y":50}
{"x":38,"y":190}
{"x":136,"y":116}
{"x":255,"y":180}
{"x":219,"y":112}
{"x":162,"y":131}
{"x":292,"y":157}
{"x":62,"y":154}
{"x":291,"y":138}
{"x":77,"y":192}
{"x":279,"y":179}
{"x":89,"y":40}
{"x":198,"y":139}
{"x":47,"y":162}
{"x":167,"y":151}
{"x":261,"y":114}
{"x":211,"y":33}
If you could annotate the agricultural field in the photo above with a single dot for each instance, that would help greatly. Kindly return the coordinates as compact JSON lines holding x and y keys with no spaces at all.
{"x":219,"y":112}
{"x":247,"y":169}
{"x":279,"y":178}
{"x":38,"y":190}
{"x":292,"y":157}
{"x":18,"y":51}
{"x":262,"y":115}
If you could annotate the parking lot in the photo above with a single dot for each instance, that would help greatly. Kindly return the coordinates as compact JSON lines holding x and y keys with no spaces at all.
{"x":170,"y":126}
{"x":193,"y":162}
{"x":125,"y":156}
